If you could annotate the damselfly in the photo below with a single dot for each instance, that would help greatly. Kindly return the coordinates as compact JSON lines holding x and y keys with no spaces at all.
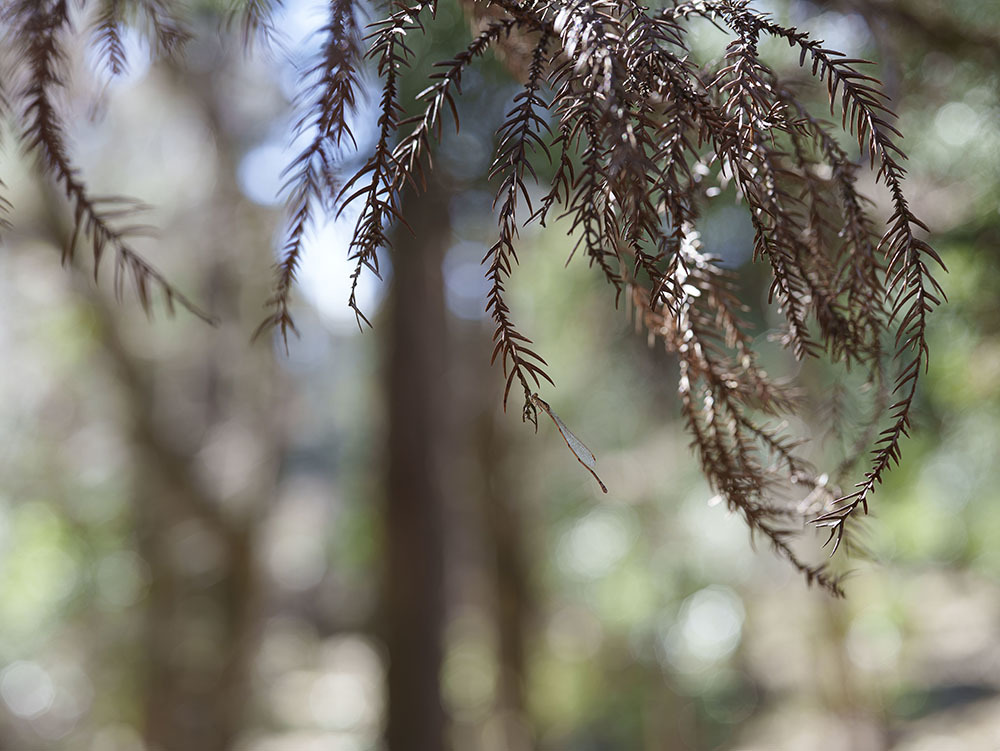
{"x":583,"y":454}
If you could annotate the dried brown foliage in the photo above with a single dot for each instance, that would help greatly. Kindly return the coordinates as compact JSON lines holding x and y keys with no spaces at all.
{"x":35,"y":38}
{"x":635,"y":132}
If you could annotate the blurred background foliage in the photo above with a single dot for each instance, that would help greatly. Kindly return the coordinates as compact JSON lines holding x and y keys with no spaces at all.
{"x":196,"y":546}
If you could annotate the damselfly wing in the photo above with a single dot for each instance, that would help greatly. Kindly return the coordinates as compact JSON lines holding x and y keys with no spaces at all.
{"x":583,"y":454}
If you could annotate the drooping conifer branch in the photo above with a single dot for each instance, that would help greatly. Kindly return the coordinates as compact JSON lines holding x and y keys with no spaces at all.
{"x":156,"y":18}
{"x":313,"y":178}
{"x":108,"y":35}
{"x":519,"y":136}
{"x":640,"y":134}
{"x":646,"y":138}
{"x":414,"y":147}
{"x":912,"y":290}
{"x":379,"y":188}
{"x":40,"y":26}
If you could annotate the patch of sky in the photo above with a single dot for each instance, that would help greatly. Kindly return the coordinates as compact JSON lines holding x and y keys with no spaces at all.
{"x":466,"y":286}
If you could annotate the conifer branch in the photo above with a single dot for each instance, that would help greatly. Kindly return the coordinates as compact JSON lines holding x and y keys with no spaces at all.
{"x":41,"y":25}
{"x":518,"y":136}
{"x":645,"y":139}
{"x":381,"y":191}
{"x":312,"y":179}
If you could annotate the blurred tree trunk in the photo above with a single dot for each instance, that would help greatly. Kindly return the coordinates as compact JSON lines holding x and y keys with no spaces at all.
{"x":198,"y":539}
{"x":508,"y":568}
{"x":192,"y":415}
{"x":414,"y":511}
{"x":200,"y":636}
